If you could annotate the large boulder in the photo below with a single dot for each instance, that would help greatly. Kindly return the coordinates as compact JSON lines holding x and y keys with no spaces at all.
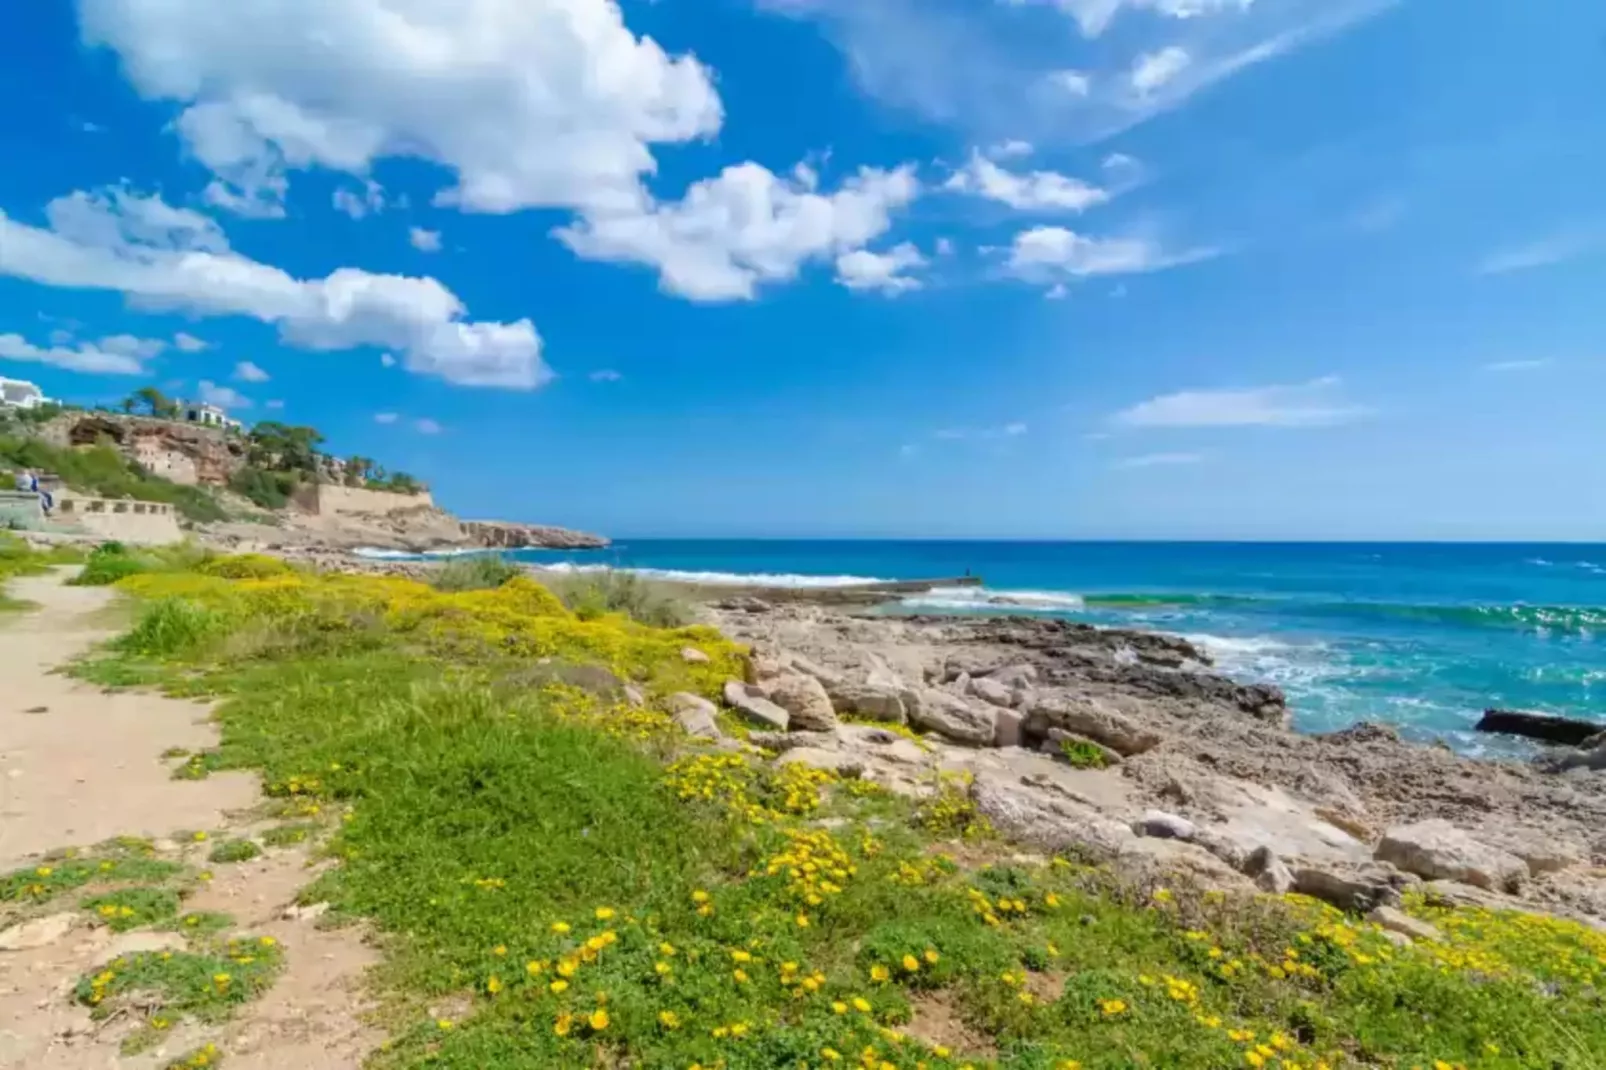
{"x":751,"y":703}
{"x":1437,"y":850}
{"x":870,"y":701}
{"x":805,"y":699}
{"x":1047,"y":820}
{"x":1093,"y":720}
{"x":952,"y":718}
{"x":694,"y":714}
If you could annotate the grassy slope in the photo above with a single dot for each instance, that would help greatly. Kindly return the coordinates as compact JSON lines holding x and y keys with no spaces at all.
{"x":561,"y":883}
{"x":103,"y":471}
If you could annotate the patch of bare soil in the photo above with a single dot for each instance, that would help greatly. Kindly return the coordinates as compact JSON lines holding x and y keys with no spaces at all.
{"x":78,"y":767}
{"x":936,"y":1022}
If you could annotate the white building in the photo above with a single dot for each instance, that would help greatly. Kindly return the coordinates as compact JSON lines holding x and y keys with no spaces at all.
{"x":199,"y":412}
{"x":21,"y":394}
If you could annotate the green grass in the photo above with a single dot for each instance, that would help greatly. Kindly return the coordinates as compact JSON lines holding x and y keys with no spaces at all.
{"x":288,"y":835}
{"x":234,"y":851}
{"x":120,"y":862}
{"x":1083,"y":754}
{"x":476,"y":572}
{"x":133,"y":908}
{"x":207,"y":985}
{"x":583,"y":891}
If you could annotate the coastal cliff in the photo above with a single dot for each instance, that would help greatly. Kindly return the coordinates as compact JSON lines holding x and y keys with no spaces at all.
{"x":506,"y":535}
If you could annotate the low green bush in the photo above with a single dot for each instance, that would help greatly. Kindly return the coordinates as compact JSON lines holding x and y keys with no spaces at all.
{"x":593,"y":594}
{"x":479,"y":572}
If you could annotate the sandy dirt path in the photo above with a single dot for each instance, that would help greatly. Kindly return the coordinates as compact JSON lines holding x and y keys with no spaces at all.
{"x":79,"y":766}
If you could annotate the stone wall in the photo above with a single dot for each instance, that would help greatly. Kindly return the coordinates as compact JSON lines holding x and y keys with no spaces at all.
{"x":328,"y":499}
{"x":145,"y":523}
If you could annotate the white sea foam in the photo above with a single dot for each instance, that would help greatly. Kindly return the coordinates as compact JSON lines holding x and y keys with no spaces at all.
{"x":984,"y":599}
{"x":377,"y":554}
{"x":721,"y":579}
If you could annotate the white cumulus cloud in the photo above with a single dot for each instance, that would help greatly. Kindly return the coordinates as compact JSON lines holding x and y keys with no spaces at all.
{"x":882,"y":272}
{"x":247,"y":372}
{"x":426,"y":426}
{"x":745,"y":227}
{"x":529,"y":103}
{"x":172,"y":258}
{"x":1025,"y":191}
{"x":83,"y":357}
{"x":425,"y":241}
{"x":188,"y":343}
{"x":1318,"y":403}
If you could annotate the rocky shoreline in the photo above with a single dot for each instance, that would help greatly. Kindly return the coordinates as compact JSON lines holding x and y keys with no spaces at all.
{"x":1126,"y":746}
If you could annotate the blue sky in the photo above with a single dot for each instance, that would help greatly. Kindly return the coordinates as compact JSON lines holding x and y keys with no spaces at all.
{"x":996,"y":268}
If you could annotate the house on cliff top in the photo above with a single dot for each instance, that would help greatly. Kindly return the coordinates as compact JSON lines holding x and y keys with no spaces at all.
{"x":21,"y":394}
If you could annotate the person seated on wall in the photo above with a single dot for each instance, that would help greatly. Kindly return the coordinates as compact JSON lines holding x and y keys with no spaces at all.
{"x":29,"y":481}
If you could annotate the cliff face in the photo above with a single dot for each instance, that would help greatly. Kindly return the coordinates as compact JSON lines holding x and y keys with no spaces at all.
{"x":184,"y":453}
{"x":509,"y":536}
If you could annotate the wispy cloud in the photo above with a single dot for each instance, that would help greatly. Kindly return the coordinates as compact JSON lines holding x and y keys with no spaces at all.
{"x":188,"y":343}
{"x":1318,"y":403}
{"x":386,"y":417}
{"x":1518,"y":365}
{"x":224,"y":397}
{"x":247,"y":372}
{"x":426,"y":426}
{"x":1153,"y":460}
{"x":605,"y":375}
{"x":1552,"y":249}
{"x":1054,"y":254}
{"x":981,"y":434}
{"x":1008,"y":69}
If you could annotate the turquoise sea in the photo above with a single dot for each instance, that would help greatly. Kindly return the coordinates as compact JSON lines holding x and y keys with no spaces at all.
{"x":1424,"y":636}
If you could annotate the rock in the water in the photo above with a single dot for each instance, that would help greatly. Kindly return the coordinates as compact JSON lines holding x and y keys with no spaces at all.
{"x":750,"y":702}
{"x":1542,"y":726}
{"x":992,"y":692}
{"x":692,"y":656}
{"x":37,"y":933}
{"x":805,"y":699}
{"x":1397,"y":921}
{"x":694,"y":714}
{"x":1437,"y":850}
{"x":1006,"y":731}
{"x":871,"y":701}
{"x":1165,"y":826}
{"x":954,"y":718}
{"x":1093,"y":720}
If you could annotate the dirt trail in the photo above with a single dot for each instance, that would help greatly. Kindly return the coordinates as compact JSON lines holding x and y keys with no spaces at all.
{"x":79,"y":766}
